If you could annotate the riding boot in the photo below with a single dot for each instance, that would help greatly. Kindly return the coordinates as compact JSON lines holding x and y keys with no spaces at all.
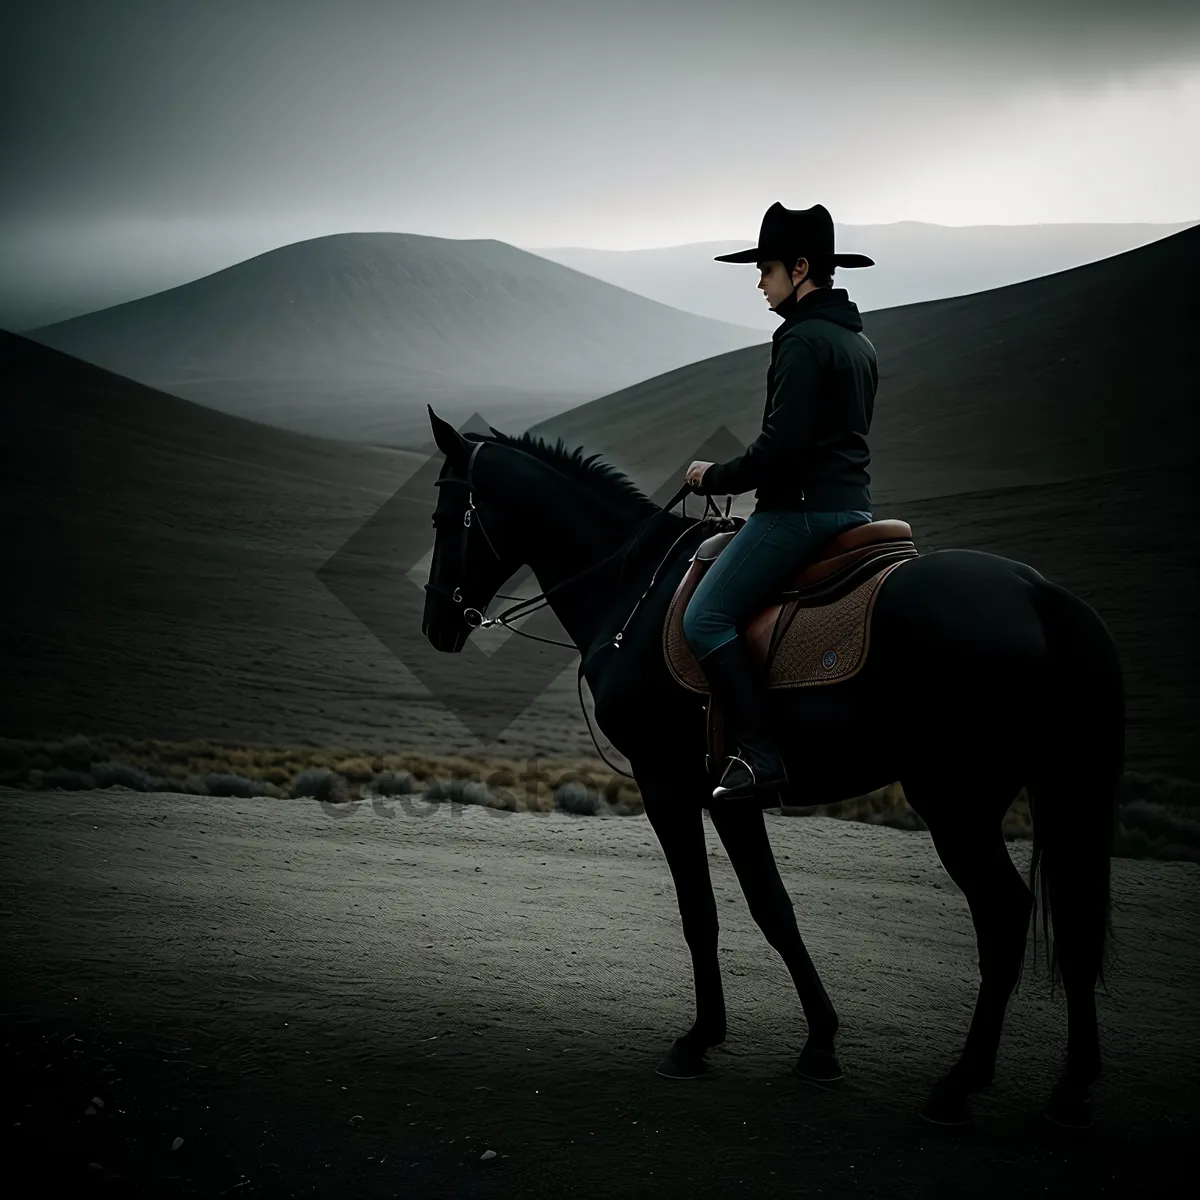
{"x":757,"y":769}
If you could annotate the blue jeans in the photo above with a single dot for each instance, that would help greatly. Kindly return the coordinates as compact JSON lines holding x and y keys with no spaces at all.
{"x":757,"y":564}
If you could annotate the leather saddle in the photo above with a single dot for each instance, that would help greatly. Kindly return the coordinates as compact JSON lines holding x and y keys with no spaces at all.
{"x":833,"y":598}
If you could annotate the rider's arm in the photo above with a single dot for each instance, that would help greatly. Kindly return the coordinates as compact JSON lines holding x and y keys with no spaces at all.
{"x":787,"y":429}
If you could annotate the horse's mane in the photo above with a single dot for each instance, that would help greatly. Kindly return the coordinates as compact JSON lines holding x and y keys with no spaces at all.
{"x":592,"y":472}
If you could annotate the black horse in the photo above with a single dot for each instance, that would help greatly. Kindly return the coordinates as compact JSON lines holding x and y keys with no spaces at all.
{"x":982,"y":677}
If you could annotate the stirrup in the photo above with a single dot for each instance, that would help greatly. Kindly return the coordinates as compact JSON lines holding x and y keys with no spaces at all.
{"x":754,"y":788}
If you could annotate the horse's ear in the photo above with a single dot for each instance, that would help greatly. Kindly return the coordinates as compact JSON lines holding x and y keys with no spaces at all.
{"x":449,"y":441}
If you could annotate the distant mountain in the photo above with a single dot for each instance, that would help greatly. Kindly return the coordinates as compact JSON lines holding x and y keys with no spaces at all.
{"x":914,"y":262}
{"x":350,"y":336}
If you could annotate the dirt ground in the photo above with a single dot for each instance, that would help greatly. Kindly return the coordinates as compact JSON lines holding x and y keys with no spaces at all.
{"x":364,"y":1004}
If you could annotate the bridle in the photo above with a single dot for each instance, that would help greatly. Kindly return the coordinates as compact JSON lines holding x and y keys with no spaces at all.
{"x":455,"y":596}
{"x":476,"y":619}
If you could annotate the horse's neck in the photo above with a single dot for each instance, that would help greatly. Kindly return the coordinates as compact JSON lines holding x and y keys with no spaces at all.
{"x":570,"y":532}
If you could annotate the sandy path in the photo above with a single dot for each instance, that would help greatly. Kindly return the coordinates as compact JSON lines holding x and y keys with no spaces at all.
{"x":258,"y":973}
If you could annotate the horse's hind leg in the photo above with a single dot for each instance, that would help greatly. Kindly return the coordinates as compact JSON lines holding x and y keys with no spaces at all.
{"x":1079,"y":959}
{"x":967,"y":836}
{"x":1069,"y":1104}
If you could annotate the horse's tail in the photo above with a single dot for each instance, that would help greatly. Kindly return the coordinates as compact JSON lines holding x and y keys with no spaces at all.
{"x":1073,"y":793}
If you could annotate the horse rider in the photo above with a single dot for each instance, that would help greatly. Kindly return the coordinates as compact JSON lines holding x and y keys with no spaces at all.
{"x":808,"y":467}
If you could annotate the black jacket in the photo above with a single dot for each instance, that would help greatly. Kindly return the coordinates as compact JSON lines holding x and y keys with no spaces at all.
{"x":812,"y":451}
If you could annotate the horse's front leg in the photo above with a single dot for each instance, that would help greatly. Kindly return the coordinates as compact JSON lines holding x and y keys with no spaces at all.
{"x":743,"y":832}
{"x":677,"y":819}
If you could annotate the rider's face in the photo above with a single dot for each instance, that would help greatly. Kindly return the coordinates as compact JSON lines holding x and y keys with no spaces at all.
{"x":775,"y":283}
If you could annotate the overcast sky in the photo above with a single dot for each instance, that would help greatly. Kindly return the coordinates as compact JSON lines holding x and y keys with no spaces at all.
{"x":602,"y":123}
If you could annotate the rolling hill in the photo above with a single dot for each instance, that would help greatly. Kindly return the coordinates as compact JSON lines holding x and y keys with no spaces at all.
{"x":1090,"y":370}
{"x":350,"y":336}
{"x":914,"y":262}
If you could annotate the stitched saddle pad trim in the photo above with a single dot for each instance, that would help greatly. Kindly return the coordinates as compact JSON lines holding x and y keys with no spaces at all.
{"x":847,"y":662}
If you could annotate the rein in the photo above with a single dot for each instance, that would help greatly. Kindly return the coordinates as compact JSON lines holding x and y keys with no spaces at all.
{"x":477,"y":620}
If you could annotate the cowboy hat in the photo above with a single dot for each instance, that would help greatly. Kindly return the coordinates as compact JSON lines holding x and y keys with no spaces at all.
{"x":797,"y":233}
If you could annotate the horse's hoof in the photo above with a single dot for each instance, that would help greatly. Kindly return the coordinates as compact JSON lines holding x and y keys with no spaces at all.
{"x":683,"y":1061}
{"x":1069,"y":1109}
{"x":946,"y":1106}
{"x":819,"y":1065}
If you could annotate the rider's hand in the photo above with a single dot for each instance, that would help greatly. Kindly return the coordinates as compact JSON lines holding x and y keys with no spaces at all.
{"x":695,"y":473}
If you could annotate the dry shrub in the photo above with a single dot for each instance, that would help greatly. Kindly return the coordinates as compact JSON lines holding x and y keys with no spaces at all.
{"x":359,"y":770}
{"x":323,"y":784}
{"x":394,"y":783}
{"x":503,"y":776}
{"x":75,"y":753}
{"x":575,"y":797}
{"x":222,"y":783}
{"x":62,"y":777}
{"x":118,"y":774}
